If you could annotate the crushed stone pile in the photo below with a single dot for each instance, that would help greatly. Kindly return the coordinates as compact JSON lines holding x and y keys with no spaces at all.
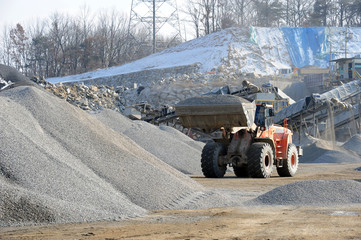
{"x":10,"y":77}
{"x":59,"y":164}
{"x":354,"y":144}
{"x":321,"y":151}
{"x":92,"y":98}
{"x":169,"y":145}
{"x":313,"y":192}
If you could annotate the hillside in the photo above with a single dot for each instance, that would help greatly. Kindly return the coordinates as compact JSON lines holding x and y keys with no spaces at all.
{"x":263,"y":51}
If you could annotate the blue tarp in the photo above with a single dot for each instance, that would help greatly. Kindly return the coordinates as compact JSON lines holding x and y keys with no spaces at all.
{"x":307,"y":46}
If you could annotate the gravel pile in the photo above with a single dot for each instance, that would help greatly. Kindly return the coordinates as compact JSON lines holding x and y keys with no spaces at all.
{"x":354,"y":144}
{"x":314,"y":192}
{"x":10,"y":77}
{"x":169,"y":145}
{"x":64,"y":165}
{"x":323,"y":152}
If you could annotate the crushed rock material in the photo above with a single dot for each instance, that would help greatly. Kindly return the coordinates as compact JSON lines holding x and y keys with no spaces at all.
{"x":313,"y":192}
{"x":89,"y":98}
{"x":66,"y":166}
{"x":354,"y":144}
{"x":169,"y":145}
{"x":10,"y":77}
{"x":321,"y":151}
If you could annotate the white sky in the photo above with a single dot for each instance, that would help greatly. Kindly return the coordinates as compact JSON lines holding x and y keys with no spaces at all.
{"x":14,"y":11}
{"x":29,"y":11}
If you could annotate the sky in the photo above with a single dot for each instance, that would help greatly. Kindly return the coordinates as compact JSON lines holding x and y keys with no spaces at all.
{"x":29,"y":11}
{"x":14,"y":11}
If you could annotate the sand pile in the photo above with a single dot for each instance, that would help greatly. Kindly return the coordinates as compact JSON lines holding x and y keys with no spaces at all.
{"x":321,"y":151}
{"x":63,"y":165}
{"x":169,"y":145}
{"x":315,"y":192}
{"x":354,"y":144}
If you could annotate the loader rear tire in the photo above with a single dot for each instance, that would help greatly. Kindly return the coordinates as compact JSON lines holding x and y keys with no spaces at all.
{"x":260,"y":160}
{"x":210,"y":164}
{"x":290,"y":165}
{"x":241,"y":172}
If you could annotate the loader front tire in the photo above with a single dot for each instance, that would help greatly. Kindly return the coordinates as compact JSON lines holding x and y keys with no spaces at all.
{"x":290,"y":165}
{"x":210,"y":160}
{"x":260,"y":160}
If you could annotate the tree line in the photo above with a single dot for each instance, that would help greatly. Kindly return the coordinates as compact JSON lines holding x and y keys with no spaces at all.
{"x":64,"y":45}
{"x":209,"y":16}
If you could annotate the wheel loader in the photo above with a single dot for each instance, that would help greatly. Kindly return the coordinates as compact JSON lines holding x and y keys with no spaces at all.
{"x":244,"y":137}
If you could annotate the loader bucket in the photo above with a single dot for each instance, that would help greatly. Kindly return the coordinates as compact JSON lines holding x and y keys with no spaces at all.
{"x":210,"y":112}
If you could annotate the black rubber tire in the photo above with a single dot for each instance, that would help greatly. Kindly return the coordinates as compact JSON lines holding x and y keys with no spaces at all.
{"x":260,"y":160}
{"x":210,"y":154}
{"x":241,"y":172}
{"x":290,"y":165}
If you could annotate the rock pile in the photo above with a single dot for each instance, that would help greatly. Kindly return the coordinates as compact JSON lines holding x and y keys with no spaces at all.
{"x":91,"y":98}
{"x":313,"y":192}
{"x":353,"y":144}
{"x":172,"y":146}
{"x":59,"y":164}
{"x":322,"y":151}
{"x":174,"y":89}
{"x":166,"y":91}
{"x":10,"y":77}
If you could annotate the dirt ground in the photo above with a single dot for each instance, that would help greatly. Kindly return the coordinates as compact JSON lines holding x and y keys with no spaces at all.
{"x":281,"y":222}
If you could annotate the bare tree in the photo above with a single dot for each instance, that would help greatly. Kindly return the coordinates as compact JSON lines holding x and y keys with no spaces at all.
{"x":269,"y":12}
{"x":19,"y":47}
{"x":242,"y":10}
{"x":299,"y":11}
{"x":6,"y":47}
{"x":194,"y":11}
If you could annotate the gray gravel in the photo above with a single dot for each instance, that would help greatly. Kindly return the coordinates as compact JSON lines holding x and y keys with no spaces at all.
{"x":321,"y":153}
{"x":314,"y":192}
{"x":66,"y":166}
{"x":12,"y":78}
{"x":354,"y":144}
{"x":338,"y":157}
{"x":171,"y":146}
{"x":182,"y":137}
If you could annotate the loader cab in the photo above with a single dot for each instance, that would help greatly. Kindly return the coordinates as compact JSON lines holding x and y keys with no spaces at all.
{"x":264,"y":116}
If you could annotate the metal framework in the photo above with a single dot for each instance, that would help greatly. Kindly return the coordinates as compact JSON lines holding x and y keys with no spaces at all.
{"x":151,"y":17}
{"x":321,"y":112}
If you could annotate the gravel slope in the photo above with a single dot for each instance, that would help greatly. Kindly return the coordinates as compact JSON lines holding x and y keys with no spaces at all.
{"x":169,"y":145}
{"x":322,"y":151}
{"x":313,"y":192}
{"x":354,"y":144}
{"x":70,"y":167}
